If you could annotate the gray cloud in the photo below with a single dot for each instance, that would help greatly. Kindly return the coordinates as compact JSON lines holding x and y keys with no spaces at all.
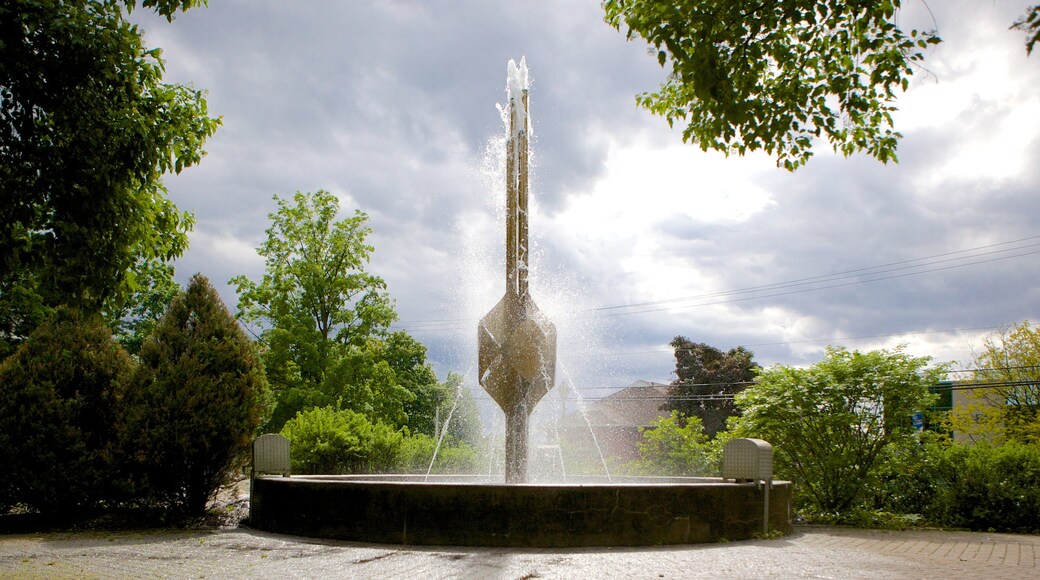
{"x":390,"y":105}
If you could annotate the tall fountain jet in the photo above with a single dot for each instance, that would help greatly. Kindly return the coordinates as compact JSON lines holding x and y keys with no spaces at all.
{"x":516,"y":342}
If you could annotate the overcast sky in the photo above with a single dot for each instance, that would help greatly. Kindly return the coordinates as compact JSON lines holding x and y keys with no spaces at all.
{"x":637,"y":237}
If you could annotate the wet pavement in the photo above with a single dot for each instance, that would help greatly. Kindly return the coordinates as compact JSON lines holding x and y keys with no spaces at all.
{"x":811,"y":552}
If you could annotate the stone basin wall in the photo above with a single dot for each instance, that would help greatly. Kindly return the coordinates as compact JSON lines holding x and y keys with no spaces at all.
{"x":401,"y":510}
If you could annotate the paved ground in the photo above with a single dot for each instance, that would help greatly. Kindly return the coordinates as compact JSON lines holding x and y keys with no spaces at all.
{"x":242,"y":553}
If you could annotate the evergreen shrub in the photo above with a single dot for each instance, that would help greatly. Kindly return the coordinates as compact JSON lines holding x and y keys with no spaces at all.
{"x":61,"y":401}
{"x":199,"y":394}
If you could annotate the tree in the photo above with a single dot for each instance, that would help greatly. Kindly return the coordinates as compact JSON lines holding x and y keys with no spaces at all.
{"x":829,"y":424}
{"x":707,"y":379}
{"x":1005,"y":403}
{"x":777,"y":76}
{"x":87,"y":130}
{"x":199,"y":396}
{"x":61,"y":415}
{"x":133,"y":317}
{"x":1030,"y":24}
{"x":363,"y":379}
{"x":317,"y":304}
{"x":431,"y":400}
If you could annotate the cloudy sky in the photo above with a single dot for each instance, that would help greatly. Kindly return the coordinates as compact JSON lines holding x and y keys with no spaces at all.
{"x":637,"y":237}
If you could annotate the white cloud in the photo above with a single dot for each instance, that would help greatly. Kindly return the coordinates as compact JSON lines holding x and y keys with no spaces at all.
{"x":644,"y":182}
{"x":616,"y":226}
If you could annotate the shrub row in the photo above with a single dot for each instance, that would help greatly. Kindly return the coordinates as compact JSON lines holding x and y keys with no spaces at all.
{"x":974,"y":486}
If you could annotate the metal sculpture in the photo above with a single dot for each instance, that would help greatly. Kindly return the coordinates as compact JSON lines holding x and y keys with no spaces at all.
{"x":516,"y":342}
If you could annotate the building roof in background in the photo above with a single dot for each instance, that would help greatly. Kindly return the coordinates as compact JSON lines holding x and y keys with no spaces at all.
{"x":637,"y":405}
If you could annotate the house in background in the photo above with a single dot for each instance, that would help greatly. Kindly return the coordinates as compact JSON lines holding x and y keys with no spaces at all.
{"x":612,"y":425}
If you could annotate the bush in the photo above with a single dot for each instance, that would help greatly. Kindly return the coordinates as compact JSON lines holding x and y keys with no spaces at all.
{"x":675,"y":445}
{"x":983,"y":487}
{"x":905,"y":479}
{"x":60,"y":399}
{"x":330,"y":440}
{"x":831,"y":425}
{"x":453,"y":457}
{"x":199,"y":395}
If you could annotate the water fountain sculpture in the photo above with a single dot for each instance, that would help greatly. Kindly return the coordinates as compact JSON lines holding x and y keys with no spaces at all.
{"x":516,"y":342}
{"x":517,"y":364}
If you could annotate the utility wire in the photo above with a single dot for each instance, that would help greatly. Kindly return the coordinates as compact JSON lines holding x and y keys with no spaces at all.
{"x":771,"y":290}
{"x":883,"y":268}
{"x":670,"y":350}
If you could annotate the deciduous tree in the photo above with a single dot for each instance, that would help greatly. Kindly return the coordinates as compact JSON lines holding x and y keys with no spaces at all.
{"x":133,"y":316}
{"x":1005,"y":401}
{"x":779,"y":76}
{"x":325,"y":319}
{"x":675,"y":445}
{"x":706,"y":380}
{"x":87,"y":130}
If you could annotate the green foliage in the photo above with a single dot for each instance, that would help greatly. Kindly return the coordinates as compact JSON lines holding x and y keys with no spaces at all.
{"x":832,"y":424}
{"x":1030,"y":24}
{"x":453,"y":457}
{"x":133,"y":317}
{"x":985,"y":487}
{"x":315,"y":299}
{"x":374,"y":378}
{"x":87,"y":129}
{"x":325,"y":321}
{"x":777,"y":76}
{"x":1007,"y":404}
{"x":315,"y":286}
{"x":907,"y":477}
{"x":199,"y":395}
{"x":61,"y":403}
{"x":331,"y":441}
{"x":167,"y":8}
{"x":464,"y":424}
{"x":676,"y":445}
{"x":706,"y":377}
{"x":860,"y":517}
{"x":974,"y":486}
{"x":428,"y":400}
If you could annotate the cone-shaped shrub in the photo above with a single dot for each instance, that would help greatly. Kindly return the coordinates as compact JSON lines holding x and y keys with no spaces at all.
{"x":61,"y":397}
{"x":200,"y":393}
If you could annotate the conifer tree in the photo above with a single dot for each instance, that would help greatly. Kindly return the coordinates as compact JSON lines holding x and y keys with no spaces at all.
{"x":202,"y":393}
{"x":61,"y":401}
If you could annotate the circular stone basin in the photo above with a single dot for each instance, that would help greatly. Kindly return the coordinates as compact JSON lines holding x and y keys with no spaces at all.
{"x":471,"y":511}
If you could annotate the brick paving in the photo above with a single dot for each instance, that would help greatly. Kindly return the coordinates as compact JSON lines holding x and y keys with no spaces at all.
{"x":811,"y":552}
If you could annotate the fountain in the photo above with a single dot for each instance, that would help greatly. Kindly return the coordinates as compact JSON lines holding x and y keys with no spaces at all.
{"x":517,"y":367}
{"x":517,"y":343}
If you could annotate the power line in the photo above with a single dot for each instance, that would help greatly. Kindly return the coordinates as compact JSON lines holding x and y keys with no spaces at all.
{"x":446,"y":325}
{"x":817,"y":289}
{"x":884,"y":268}
{"x":670,"y":350}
